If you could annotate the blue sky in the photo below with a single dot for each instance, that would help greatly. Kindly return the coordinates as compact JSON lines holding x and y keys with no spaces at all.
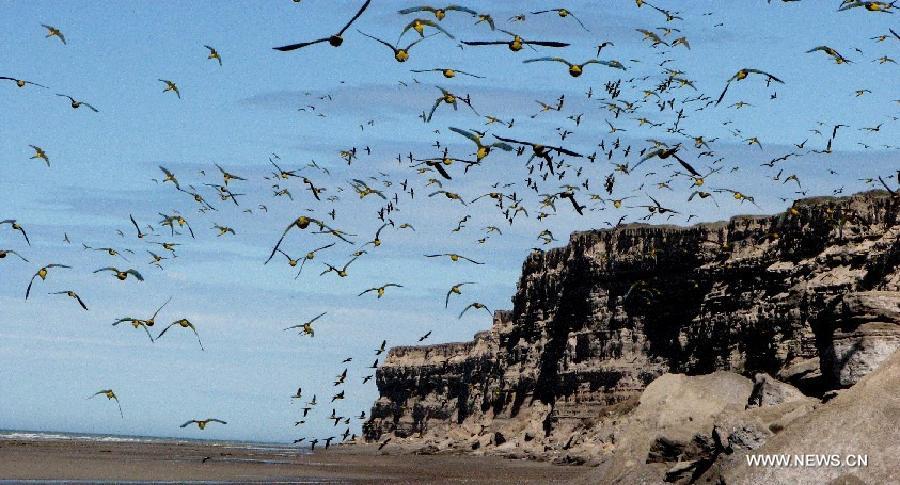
{"x":238,"y":114}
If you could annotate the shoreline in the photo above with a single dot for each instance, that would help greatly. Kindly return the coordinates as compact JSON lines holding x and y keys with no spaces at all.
{"x":173,"y":461}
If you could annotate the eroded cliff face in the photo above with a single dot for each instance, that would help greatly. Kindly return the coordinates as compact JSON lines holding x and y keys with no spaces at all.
{"x":811,"y":296}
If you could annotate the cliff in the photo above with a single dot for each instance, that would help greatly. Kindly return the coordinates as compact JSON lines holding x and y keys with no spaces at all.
{"x":811,"y":296}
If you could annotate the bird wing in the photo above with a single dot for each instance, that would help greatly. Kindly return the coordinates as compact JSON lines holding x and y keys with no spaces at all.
{"x":613,"y":64}
{"x":460,"y":8}
{"x":687,"y":166}
{"x":466,"y":309}
{"x":546,"y":59}
{"x":764,"y":73}
{"x":135,"y":274}
{"x":434,"y":108}
{"x":376,"y":39}
{"x":423,"y":8}
{"x":278,"y":244}
{"x":133,"y":222}
{"x":161,"y":307}
{"x":579,"y":21}
{"x":441,"y":171}
{"x":291,"y":47}
{"x":198,"y":338}
{"x":28,"y":290}
{"x":471,"y":136}
{"x":164,"y":330}
{"x":353,"y":19}
{"x":566,"y":151}
{"x":510,"y":140}
{"x":545,"y":43}
{"x":496,"y":42}
{"x":722,"y":96}
{"x":410,"y":46}
{"x":436,"y":26}
{"x":78,"y":298}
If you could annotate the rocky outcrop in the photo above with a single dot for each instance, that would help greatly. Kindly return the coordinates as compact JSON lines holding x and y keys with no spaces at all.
{"x":810,"y":296}
{"x":859,"y":423}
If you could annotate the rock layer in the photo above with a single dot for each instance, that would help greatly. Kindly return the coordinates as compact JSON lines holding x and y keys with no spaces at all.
{"x":811,"y":296}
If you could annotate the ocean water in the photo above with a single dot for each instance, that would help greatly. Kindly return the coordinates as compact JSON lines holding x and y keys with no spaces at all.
{"x":275,"y":448}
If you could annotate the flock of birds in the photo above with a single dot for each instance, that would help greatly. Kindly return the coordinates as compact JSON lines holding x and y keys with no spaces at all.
{"x":689,"y":161}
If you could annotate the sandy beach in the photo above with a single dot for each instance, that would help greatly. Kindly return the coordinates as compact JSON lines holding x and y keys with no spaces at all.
{"x":73,"y":460}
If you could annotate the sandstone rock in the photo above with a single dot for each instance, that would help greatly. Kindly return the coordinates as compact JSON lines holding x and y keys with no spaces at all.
{"x":862,"y":420}
{"x":768,"y":391}
{"x":676,"y":410}
{"x":673,"y":423}
{"x":681,"y":471}
{"x":808,"y":296}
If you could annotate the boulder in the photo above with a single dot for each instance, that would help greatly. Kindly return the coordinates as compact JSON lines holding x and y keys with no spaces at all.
{"x":768,"y":391}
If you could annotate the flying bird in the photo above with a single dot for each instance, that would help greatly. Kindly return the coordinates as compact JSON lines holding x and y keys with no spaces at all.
{"x":121,"y":275}
{"x":213,"y":54}
{"x":201,"y":423}
{"x":54,"y":32}
{"x":110,"y":395}
{"x":71,"y":294}
{"x":575,"y":70}
{"x":838,"y":58}
{"x":307,"y":326}
{"x":563,"y":13}
{"x":455,"y":290}
{"x":42,"y":274}
{"x":742,"y":74}
{"x":517,"y":42}
{"x":439,"y":13}
{"x":77,"y":104}
{"x":334,"y":40}
{"x":380,"y":289}
{"x":40,"y":154}
{"x":21,"y":82}
{"x":401,"y":54}
{"x":17,"y":227}
{"x":171,"y":86}
{"x":183,"y":323}
{"x":145,"y":324}
{"x":448,"y":72}
{"x":453,"y":257}
{"x":6,"y":252}
{"x":419,"y":26}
